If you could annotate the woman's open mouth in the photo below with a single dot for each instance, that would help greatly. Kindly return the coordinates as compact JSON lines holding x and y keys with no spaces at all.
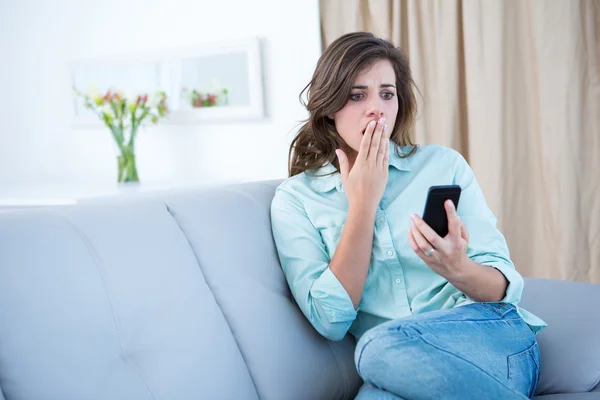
{"x":367,"y":127}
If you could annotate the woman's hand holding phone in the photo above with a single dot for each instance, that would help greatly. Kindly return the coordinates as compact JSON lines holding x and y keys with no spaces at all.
{"x":448,"y":255}
{"x":365,"y":182}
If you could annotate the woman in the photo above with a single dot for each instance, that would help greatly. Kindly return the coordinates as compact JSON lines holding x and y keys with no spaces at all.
{"x":434,"y":317}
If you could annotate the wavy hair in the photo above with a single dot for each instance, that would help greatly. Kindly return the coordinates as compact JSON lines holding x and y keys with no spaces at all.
{"x":329,"y":91}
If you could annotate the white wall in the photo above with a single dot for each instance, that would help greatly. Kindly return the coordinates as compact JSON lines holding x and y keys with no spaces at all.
{"x":39,"y":38}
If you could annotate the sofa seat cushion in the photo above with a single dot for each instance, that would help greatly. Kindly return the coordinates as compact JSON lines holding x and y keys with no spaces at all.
{"x":570,"y":345}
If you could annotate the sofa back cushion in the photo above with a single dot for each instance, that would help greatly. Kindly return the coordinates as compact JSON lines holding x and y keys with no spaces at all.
{"x":229,"y":231}
{"x":109,"y":302}
{"x":177,"y":295}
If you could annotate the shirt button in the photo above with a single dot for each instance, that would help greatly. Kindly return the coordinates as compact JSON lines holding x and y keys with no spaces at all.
{"x":398,"y":280}
{"x":390,"y":253}
{"x":381,"y":220}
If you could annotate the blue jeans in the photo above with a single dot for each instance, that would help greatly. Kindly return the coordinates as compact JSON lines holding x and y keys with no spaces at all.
{"x":476,"y":351}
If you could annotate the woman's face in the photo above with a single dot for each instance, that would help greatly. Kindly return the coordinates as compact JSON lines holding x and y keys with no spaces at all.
{"x":373,"y":97}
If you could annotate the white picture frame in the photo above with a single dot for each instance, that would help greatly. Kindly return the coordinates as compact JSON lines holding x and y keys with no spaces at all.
{"x":234,"y":65}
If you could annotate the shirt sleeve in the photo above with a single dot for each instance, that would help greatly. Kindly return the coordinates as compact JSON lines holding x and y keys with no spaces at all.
{"x":305,"y":264}
{"x":487,"y":245}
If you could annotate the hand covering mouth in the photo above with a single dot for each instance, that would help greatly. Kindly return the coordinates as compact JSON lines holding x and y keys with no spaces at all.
{"x":364,"y":130}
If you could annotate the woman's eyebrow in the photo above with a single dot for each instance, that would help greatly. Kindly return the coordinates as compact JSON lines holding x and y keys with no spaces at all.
{"x":383,"y":85}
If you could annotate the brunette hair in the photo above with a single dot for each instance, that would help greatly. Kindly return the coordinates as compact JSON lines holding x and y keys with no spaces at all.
{"x":329,"y":91}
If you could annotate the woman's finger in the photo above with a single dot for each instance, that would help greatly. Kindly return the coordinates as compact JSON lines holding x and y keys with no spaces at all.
{"x":344,"y":167}
{"x":422,"y":243}
{"x":427,"y":232}
{"x":383,"y":146}
{"x":376,"y":140}
{"x":453,"y":220}
{"x":386,"y":155}
{"x":413,"y":243}
{"x":464,"y":233}
{"x":365,"y":143}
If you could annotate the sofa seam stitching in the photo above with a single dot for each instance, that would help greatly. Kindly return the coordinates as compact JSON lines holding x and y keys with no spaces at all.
{"x":89,"y":247}
{"x":215,"y":299}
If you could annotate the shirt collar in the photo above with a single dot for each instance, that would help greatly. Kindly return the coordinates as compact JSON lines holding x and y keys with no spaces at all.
{"x":326,"y":178}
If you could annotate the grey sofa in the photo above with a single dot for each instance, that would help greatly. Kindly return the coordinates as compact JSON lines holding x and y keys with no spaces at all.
{"x":179,"y":295}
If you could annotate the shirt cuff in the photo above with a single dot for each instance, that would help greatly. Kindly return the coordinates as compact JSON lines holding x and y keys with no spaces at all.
{"x":515,"y":281}
{"x":333,"y":298}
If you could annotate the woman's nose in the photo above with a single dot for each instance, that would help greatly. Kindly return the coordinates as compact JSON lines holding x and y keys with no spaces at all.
{"x":375,"y":109}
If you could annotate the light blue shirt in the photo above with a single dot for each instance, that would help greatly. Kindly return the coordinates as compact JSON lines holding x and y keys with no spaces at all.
{"x":308,"y":215}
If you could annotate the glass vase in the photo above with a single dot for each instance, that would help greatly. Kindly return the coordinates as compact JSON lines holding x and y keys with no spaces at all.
{"x":127,"y":167}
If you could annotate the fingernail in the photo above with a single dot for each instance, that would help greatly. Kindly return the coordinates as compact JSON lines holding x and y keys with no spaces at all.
{"x":382,"y":121}
{"x":372,"y":124}
{"x":414,"y":216}
{"x":385,"y":128}
{"x":337,"y":153}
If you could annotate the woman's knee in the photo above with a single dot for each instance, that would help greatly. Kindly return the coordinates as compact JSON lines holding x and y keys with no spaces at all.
{"x":379,"y":343}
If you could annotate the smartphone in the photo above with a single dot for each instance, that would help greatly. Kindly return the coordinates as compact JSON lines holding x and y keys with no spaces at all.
{"x":435,"y":214}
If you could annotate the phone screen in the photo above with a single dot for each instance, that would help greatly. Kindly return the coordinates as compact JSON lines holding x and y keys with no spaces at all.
{"x":435,"y":214}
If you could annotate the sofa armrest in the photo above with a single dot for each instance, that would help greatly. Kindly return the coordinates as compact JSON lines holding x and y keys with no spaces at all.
{"x":570,"y":345}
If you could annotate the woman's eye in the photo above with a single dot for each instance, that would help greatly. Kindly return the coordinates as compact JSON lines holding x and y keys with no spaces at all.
{"x":356,"y":96}
{"x":387,"y":95}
